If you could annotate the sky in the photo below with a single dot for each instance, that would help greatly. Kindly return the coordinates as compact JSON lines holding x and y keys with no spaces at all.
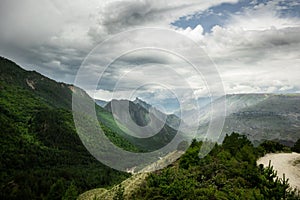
{"x":251,"y":46}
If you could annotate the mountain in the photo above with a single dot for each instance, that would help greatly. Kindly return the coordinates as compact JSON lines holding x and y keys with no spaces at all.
{"x":201,"y":102}
{"x":275,"y":118}
{"x":259,"y":116}
{"x":41,"y":154}
{"x":171,"y":119}
{"x":125,"y":111}
{"x":101,"y":103}
{"x":142,"y":103}
{"x":138,"y":113}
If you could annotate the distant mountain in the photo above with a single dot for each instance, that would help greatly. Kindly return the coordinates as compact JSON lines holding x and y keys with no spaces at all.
{"x":171,"y":119}
{"x":201,"y":103}
{"x":41,"y":153}
{"x":260,"y":116}
{"x":141,"y":117}
{"x":142,"y":103}
{"x":101,"y":103}
{"x":138,"y":113}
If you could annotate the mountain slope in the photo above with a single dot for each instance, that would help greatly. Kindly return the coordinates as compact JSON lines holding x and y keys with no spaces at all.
{"x":142,"y":103}
{"x":41,"y":153}
{"x":53,"y":94}
{"x":140,"y":117}
{"x":171,"y":120}
{"x":260,"y":116}
{"x":275,"y":118}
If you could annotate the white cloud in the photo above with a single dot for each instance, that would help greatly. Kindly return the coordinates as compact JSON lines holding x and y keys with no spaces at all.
{"x":263,"y":16}
{"x":115,"y":16}
{"x":256,"y":50}
{"x":195,"y":34}
{"x":31,"y":29}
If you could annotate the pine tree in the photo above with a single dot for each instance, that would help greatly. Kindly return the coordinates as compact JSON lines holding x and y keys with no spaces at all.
{"x":296,"y":147}
{"x":273,"y":187}
{"x":71,"y":193}
{"x":56,"y":190}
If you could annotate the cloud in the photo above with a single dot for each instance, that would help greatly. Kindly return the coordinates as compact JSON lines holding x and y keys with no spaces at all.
{"x":115,"y":16}
{"x":252,"y":46}
{"x":195,"y":34}
{"x":35,"y":34}
{"x":263,"y":16}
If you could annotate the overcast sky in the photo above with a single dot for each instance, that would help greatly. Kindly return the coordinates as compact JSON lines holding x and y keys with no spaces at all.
{"x":254,"y":44}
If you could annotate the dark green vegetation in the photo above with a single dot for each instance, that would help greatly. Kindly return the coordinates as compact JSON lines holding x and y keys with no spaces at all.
{"x":42,"y":156}
{"x":229,"y":171}
{"x":296,"y":147}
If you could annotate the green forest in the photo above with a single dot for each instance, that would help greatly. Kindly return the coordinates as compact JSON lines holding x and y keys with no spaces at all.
{"x":42,"y":156}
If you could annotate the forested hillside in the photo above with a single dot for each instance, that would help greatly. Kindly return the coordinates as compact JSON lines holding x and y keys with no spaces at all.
{"x":42,"y":156}
{"x":228,"y":172}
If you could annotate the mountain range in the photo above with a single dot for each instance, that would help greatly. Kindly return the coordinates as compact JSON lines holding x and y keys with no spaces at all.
{"x":42,"y":157}
{"x":140,"y":110}
{"x":258,"y":116}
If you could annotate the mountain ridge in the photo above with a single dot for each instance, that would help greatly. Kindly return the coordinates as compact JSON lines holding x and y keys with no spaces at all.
{"x":41,"y":153}
{"x":171,"y":120}
{"x":259,"y":116}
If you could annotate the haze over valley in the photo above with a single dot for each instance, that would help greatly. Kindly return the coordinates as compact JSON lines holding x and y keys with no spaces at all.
{"x":147,"y":99}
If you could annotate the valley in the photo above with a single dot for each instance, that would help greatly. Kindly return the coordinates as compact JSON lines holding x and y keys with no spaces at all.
{"x":42,"y":157}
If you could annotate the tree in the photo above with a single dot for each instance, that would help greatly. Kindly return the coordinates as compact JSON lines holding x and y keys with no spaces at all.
{"x":272,"y":146}
{"x":119,"y":193}
{"x":71,"y":193}
{"x":296,"y":147}
{"x":273,"y":187}
{"x":234,"y":142}
{"x":56,"y":190}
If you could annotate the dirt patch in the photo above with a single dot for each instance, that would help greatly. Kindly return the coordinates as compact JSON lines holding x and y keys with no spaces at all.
{"x":284,"y":163}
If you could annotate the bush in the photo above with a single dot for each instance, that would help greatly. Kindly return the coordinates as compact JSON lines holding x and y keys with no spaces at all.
{"x":296,"y":147}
